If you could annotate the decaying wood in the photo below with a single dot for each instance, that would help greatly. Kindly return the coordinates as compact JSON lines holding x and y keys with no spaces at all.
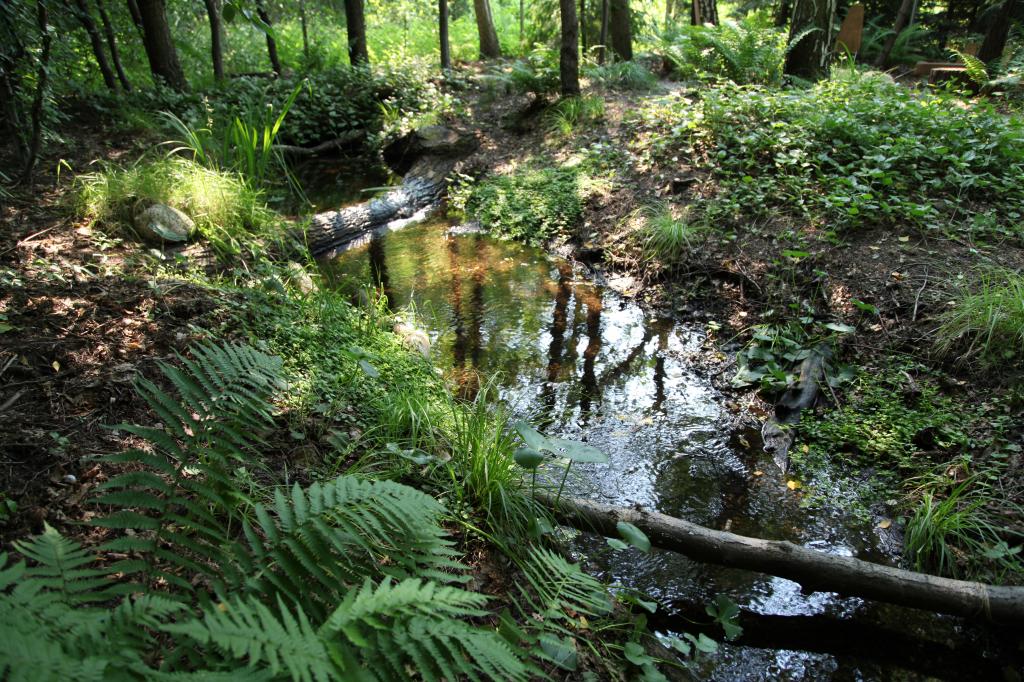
{"x":777,"y":437}
{"x":334,"y":145}
{"x":815,"y":571}
{"x":426,"y":159}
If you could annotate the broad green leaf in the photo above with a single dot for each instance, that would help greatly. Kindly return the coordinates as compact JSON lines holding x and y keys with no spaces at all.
{"x":528,"y":458}
{"x":633,"y":536}
{"x":576,"y":451}
{"x":562,"y":652}
{"x":840,"y":327}
{"x":531,"y":436}
{"x":368,"y":369}
{"x":615,"y":543}
{"x":635,"y":654}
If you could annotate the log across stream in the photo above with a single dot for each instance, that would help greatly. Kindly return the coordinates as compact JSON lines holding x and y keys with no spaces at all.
{"x":583,"y":361}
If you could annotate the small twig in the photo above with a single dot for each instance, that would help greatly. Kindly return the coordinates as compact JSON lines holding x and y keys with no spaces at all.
{"x":10,"y":401}
{"x":917,"y":298}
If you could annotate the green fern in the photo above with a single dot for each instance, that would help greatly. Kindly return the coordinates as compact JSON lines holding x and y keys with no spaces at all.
{"x":976,"y":69}
{"x":301,"y":588}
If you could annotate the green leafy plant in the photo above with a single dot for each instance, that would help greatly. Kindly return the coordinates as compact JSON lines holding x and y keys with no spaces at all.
{"x":621,"y":75}
{"x":229,"y":578}
{"x":669,"y":238}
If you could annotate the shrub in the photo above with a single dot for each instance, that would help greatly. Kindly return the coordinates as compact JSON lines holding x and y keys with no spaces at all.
{"x":669,"y":238}
{"x":741,"y":52}
{"x":986,"y":323}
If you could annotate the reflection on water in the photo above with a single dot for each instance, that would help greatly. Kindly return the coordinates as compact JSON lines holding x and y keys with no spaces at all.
{"x":582,"y":362}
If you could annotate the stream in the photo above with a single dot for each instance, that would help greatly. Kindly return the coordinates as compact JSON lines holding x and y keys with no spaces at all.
{"x":581,"y":361}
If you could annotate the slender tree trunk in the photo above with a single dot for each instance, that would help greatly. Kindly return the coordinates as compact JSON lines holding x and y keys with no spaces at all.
{"x":442,"y":29}
{"x":163,"y":57}
{"x":275,"y":61}
{"x":668,"y":14}
{"x":305,"y":30}
{"x":490,"y":48}
{"x":115,"y":54}
{"x":902,"y":17}
{"x":81,"y":12}
{"x":995,"y":39}
{"x":136,"y":15}
{"x":583,"y":25}
{"x":812,"y":23}
{"x":355,"y":26}
{"x":604,"y":31}
{"x":521,"y":20}
{"x":704,"y":12}
{"x":42,"y":83}
{"x":622,"y":29}
{"x":216,"y":38}
{"x":569,"y":55}
{"x":782,"y":13}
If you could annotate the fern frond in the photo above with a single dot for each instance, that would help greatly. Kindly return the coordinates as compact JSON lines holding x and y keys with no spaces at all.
{"x":61,"y":570}
{"x":245,"y":628}
{"x":560,"y":585}
{"x":337,"y":532}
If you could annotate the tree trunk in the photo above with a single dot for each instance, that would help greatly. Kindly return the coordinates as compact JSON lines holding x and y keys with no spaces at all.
{"x":156,"y":34}
{"x":442,"y":30}
{"x":42,"y":82}
{"x":136,"y":15}
{"x":604,"y":31}
{"x":902,"y":17}
{"x":305,"y":30}
{"x":995,"y":39}
{"x":668,"y":14}
{"x":355,"y":26}
{"x":522,"y":18}
{"x":216,"y":38}
{"x":622,"y":29}
{"x":569,"y":54}
{"x":275,"y":61}
{"x":490,"y":48}
{"x":81,"y":12}
{"x":426,"y":160}
{"x":782,"y":13}
{"x":704,"y":12}
{"x":115,"y":54}
{"x":583,"y":26}
{"x":810,"y":38}
{"x":814,"y":570}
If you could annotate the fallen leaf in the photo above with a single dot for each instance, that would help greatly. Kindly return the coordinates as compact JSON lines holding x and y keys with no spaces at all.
{"x":793,"y":485}
{"x":884,"y":523}
{"x":759,"y":473}
{"x":56,"y":366}
{"x":904,"y":239}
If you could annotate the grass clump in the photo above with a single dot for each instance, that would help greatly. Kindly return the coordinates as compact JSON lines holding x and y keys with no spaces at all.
{"x":228,"y":212}
{"x":855,"y":150}
{"x":669,"y":238}
{"x":630,"y":76}
{"x":986,"y":323}
{"x":532,"y":205}
{"x":570,"y":113}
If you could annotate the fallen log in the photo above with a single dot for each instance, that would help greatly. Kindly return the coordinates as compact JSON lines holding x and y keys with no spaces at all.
{"x":815,"y":571}
{"x":337,"y":144}
{"x":425,"y":159}
{"x":777,"y":437}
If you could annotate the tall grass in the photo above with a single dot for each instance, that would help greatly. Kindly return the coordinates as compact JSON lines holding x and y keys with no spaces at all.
{"x":571,"y":113}
{"x":986,"y":323}
{"x":670,"y":238}
{"x":229,"y":213}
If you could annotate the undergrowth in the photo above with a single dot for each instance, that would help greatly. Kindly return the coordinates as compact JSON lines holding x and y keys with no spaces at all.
{"x":852,"y":151}
{"x":986,"y":322}
{"x":229,"y":212}
{"x":532,"y":204}
{"x":901,"y":444}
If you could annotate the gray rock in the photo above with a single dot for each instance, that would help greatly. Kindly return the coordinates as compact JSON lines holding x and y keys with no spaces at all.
{"x":160,"y":223}
{"x":300,"y":278}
